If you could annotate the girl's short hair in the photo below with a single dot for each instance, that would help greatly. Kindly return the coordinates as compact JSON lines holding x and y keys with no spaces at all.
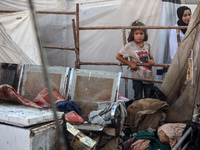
{"x":137,"y":23}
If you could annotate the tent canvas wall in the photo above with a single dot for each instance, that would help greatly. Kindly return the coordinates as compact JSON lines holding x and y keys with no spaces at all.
{"x":181,"y":83}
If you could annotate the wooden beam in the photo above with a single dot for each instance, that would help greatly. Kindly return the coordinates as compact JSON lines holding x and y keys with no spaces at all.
{"x":77,"y":62}
{"x":142,"y":79}
{"x":61,"y":48}
{"x":41,"y":12}
{"x":121,"y":64}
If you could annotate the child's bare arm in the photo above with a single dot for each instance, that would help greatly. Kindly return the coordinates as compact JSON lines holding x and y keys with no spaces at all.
{"x":151,"y":62}
{"x":133,"y":65}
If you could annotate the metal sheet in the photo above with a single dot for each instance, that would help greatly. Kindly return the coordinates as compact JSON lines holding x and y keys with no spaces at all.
{"x":90,"y":85}
{"x":41,"y":137}
{"x":24,"y":116}
{"x":89,"y":127}
{"x":33,"y":80}
{"x":44,"y":137}
{"x":10,"y":74}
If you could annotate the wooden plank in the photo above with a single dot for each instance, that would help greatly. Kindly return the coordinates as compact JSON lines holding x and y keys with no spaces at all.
{"x":85,"y":140}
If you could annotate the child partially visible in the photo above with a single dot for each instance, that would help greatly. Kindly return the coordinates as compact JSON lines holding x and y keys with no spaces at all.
{"x":139,"y":51}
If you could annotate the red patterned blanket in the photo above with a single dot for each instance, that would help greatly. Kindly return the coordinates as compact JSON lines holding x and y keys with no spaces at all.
{"x":8,"y":93}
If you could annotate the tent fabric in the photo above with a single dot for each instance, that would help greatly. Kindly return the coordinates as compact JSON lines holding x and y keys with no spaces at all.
{"x":39,"y":4}
{"x":8,"y":94}
{"x":95,"y":45}
{"x":145,"y":113}
{"x":10,"y":52}
{"x":19,"y":27}
{"x":183,"y":95}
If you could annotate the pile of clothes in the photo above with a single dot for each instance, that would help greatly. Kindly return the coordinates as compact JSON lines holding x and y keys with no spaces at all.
{"x":164,"y":137}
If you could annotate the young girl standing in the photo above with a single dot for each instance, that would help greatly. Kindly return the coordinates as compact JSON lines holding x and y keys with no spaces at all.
{"x":139,"y":51}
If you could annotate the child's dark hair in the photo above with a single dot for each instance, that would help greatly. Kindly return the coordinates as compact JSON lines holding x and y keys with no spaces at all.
{"x":137,"y":23}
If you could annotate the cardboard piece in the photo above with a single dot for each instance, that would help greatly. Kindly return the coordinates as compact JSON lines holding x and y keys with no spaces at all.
{"x":83,"y":141}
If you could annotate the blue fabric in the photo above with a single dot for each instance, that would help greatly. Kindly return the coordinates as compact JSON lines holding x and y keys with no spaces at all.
{"x":67,"y":106}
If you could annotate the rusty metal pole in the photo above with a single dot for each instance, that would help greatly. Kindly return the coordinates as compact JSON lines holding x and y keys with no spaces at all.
{"x":124,"y":36}
{"x":121,"y":64}
{"x":131,"y":27}
{"x":126,"y":80}
{"x":74,"y":33}
{"x":77,"y":62}
{"x":126,"y":87}
{"x":41,"y":12}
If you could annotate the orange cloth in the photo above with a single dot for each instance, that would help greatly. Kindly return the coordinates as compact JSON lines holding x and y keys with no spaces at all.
{"x":141,"y":144}
{"x":171,"y":133}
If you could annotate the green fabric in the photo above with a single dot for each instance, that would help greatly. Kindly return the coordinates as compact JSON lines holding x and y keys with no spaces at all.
{"x":155,"y":143}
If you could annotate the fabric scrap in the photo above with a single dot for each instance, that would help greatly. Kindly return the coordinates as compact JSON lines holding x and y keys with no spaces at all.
{"x":103,"y":116}
{"x":145,"y":113}
{"x":43,"y":99}
{"x":154,"y":140}
{"x":67,"y":106}
{"x":8,"y":93}
{"x":171,"y":133}
{"x":141,"y":144}
{"x":73,"y":117}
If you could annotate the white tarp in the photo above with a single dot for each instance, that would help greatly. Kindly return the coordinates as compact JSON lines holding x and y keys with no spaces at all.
{"x":39,"y":4}
{"x":10,"y":52}
{"x":20,"y":28}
